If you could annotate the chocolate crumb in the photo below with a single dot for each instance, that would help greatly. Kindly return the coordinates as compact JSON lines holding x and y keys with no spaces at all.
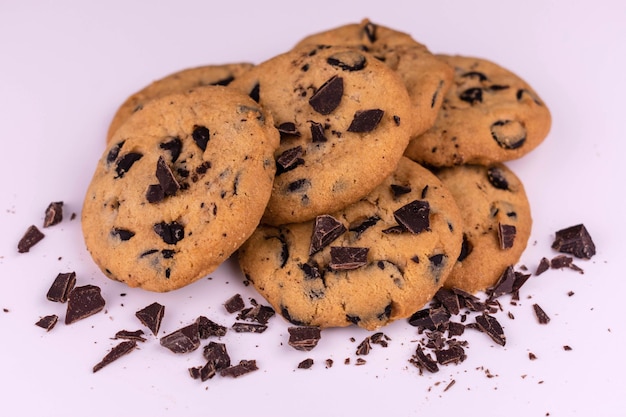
{"x":424,"y":361}
{"x":380,"y":338}
{"x":117,"y":352}
{"x":244,"y":367}
{"x":32,"y":236}
{"x":454,"y":354}
{"x":54,"y":214}
{"x":575,"y":240}
{"x":360,"y":362}
{"x":532,"y":356}
{"x":151,"y":317}
{"x":561,"y":261}
{"x":48,"y":322}
{"x":183,"y":340}
{"x":541,"y":315}
{"x":136,"y":335}
{"x":61,"y":287}
{"x":304,"y":337}
{"x":450,"y":384}
{"x":306,"y":364}
{"x":83,"y":302}
{"x":329,"y":363}
{"x":567,"y":348}
{"x":234,"y":304}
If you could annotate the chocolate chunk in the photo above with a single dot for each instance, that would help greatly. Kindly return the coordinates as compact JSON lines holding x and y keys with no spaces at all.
{"x":234,"y":304}
{"x":343,"y":258}
{"x":326,"y":230}
{"x":454,"y":354}
{"x":424,"y":361}
{"x":136,"y":335}
{"x":155,"y":193}
{"x":183,"y":340}
{"x":399,"y":190}
{"x":122,"y":234}
{"x":284,"y":253}
{"x":151,"y":317}
{"x":54,"y":214}
{"x":475,"y":74}
{"x":576,"y":241}
{"x":506,"y":235}
{"x":370,"y":31}
{"x":201,"y":136}
{"x":414,"y":216}
{"x":422,"y":319}
{"x":472,"y":95}
{"x":32,"y":236}
{"x":171,"y":233}
{"x":114,"y":152}
{"x":217,"y":354}
{"x":365,"y":120}
{"x":204,"y":373}
{"x":48,"y":322}
{"x":466,"y":248}
{"x":541,"y":315}
{"x":255,"y":93}
{"x":544,"y":265}
{"x":348,"y":61}
{"x":317,"y":133}
{"x":244,"y":367}
{"x":83,"y":302}
{"x":468,"y":300}
{"x":298,"y":185}
{"x":208,"y":328}
{"x":249,"y":327}
{"x":490,"y":325}
{"x":174,"y":147}
{"x":520,"y":279}
{"x":306,"y":364}
{"x":117,"y":352}
{"x":328,"y":96}
{"x":449,"y":300}
{"x":126,"y":162}
{"x":259,"y":313}
{"x":509,"y":134}
{"x":304,"y":338}
{"x":561,"y":261}
{"x":497,"y":179}
{"x":362,"y":226}
{"x":288,"y":129}
{"x":364,"y":347}
{"x":311,"y":271}
{"x":289,"y":159}
{"x":166,"y":178}
{"x":455,"y":329}
{"x":61,"y":287}
{"x":505,"y":283}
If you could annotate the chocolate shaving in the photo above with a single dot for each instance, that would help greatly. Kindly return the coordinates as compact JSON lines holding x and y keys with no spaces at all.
{"x":490,"y":325}
{"x":61,"y":287}
{"x":151,"y":317}
{"x":365,"y":120}
{"x":183,"y":340}
{"x":54,"y":214}
{"x":449,"y":300}
{"x":217,"y":354}
{"x":541,"y":315}
{"x":454,"y":354}
{"x":325,"y":230}
{"x":304,"y":338}
{"x":117,"y":352}
{"x":328,"y":96}
{"x":364,"y":347}
{"x":362,"y":226}
{"x":234,"y":304}
{"x":48,"y":322}
{"x":414,"y":216}
{"x":561,"y":261}
{"x":136,"y":335}
{"x":344,"y":258}
{"x":244,"y":367}
{"x":83,"y":302}
{"x":259,"y":313}
{"x":32,"y":236}
{"x":506,"y":235}
{"x":249,"y":327}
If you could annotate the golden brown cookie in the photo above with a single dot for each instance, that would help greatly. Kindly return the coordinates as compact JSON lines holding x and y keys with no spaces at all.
{"x":182,"y":184}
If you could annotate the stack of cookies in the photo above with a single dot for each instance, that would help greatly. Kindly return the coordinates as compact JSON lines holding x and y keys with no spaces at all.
{"x":354,"y":175}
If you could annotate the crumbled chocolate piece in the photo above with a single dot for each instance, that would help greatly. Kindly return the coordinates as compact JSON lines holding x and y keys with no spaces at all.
{"x":32,"y":236}
{"x":201,"y":136}
{"x":422,"y":319}
{"x":455,"y":329}
{"x":490,"y":325}
{"x":505,"y":283}
{"x":520,"y":280}
{"x":48,"y":322}
{"x":114,"y":152}
{"x":259,"y":313}
{"x":306,"y":364}
{"x":136,"y":335}
{"x":317,"y":133}
{"x":508,"y":134}
{"x":469,"y":301}
{"x":83,"y":302}
{"x":380,"y":338}
{"x":126,"y":162}
{"x":217,"y":354}
{"x":399,"y":190}
{"x":364,"y":347}
{"x":326,"y":229}
{"x":117,"y":352}
{"x":166,"y":178}
{"x":360,"y":362}
{"x":183,"y":340}
{"x":54,"y":214}
{"x":532,"y":356}
{"x":453,"y":354}
{"x":541,"y":315}
{"x":244,"y":367}
{"x":289,"y":160}
{"x":203,"y":373}
{"x":450,"y":385}
{"x":171,"y":233}
{"x":359,"y":227}
{"x":61,"y":287}
{"x":439,"y":316}
{"x":561,"y":261}
{"x":234,"y":304}
{"x":472,"y":95}
{"x":365,"y":120}
{"x":304,"y":337}
{"x":288,"y":129}
{"x":567,"y":348}
{"x":208,"y":328}
{"x":328,"y":96}
{"x":329,"y":363}
{"x":122,"y":234}
{"x":414,"y":216}
{"x":249,"y":327}
{"x":174,"y":147}
{"x":506,"y":235}
{"x":424,"y":361}
{"x":348,"y":61}
{"x":544,"y":265}
{"x":449,"y":300}
{"x":344,"y":258}
{"x":151,"y":317}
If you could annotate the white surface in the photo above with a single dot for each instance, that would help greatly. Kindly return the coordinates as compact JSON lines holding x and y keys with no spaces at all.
{"x":66,"y":66}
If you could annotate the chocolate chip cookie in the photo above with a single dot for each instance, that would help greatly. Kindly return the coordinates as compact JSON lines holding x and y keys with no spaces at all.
{"x":378,"y":260}
{"x":344,"y":119}
{"x":489,"y":115}
{"x":183,"y":182}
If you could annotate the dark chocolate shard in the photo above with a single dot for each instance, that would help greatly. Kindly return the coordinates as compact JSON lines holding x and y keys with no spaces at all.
{"x":399,"y":190}
{"x":48,"y":322}
{"x":561,"y":261}
{"x":203,"y":373}
{"x":541,"y":315}
{"x":151,"y":316}
{"x":83,"y":302}
{"x":422,"y":319}
{"x":311,"y":270}
{"x":509,"y":134}
{"x":31,"y":237}
{"x":208,"y":328}
{"x":364,"y":347}
{"x":505,"y":284}
{"x":365,"y":120}
{"x":361,"y":226}
{"x":466,"y":249}
{"x":370,"y":31}
{"x":136,"y":335}
{"x":234,"y":304}
{"x":424,"y":361}
{"x":289,"y":159}
{"x":114,"y":152}
{"x":259,"y":313}
{"x":490,"y":325}
{"x":414,"y":216}
{"x":126,"y":162}
{"x":469,"y":301}
{"x":496,"y":178}
{"x":449,"y":300}
{"x":53,"y":214}
{"x":171,"y":233}
{"x":255,"y":93}
{"x":325,"y":230}
{"x":174,"y":147}
{"x":217,"y":354}
{"x":288,"y":129}
{"x":166,"y":178}
{"x":114,"y":354}
{"x":244,"y":367}
{"x":348,"y":61}
{"x":472,"y":95}
{"x":122,"y":234}
{"x":201,"y":136}
{"x":506,"y":235}
{"x":304,"y":338}
{"x":454,"y":354}
{"x":249,"y":327}
{"x":183,"y":340}
{"x":455,"y":329}
{"x":345,"y":258}
{"x":544,"y":265}
{"x":576,"y":241}
{"x":155,"y":193}
{"x":317,"y":133}
{"x":328,"y":96}
{"x":306,"y":364}
{"x":61,"y":287}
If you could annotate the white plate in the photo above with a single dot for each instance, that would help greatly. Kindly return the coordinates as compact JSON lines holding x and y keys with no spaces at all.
{"x":66,"y":66}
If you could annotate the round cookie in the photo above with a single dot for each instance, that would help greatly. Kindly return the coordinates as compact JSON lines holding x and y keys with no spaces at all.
{"x":488,"y":115}
{"x":378,"y":260}
{"x":177,"y":82}
{"x":183,"y":183}
{"x":497,"y":223}
{"x":344,"y":120}
{"x":426,"y":77}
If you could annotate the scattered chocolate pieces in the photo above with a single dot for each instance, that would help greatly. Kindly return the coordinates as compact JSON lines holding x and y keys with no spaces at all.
{"x":32,"y":236}
{"x":306,"y":364}
{"x":54,"y":214}
{"x":414,"y":216}
{"x":304,"y":337}
{"x":325,"y":230}
{"x":151,"y":317}
{"x":117,"y":352}
{"x":48,"y":322}
{"x":244,"y":367}
{"x":234,"y":304}
{"x":183,"y":340}
{"x":541,"y":315}
{"x":61,"y":287}
{"x":83,"y":302}
{"x":344,"y":258}
{"x":575,"y":240}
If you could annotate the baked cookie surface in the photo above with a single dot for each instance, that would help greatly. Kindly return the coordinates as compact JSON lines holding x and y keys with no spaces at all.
{"x":497,"y":223}
{"x":489,"y":115}
{"x":378,"y":260}
{"x":181,"y":185}
{"x":344,"y":120}
{"x":177,"y":82}
{"x":426,"y":77}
